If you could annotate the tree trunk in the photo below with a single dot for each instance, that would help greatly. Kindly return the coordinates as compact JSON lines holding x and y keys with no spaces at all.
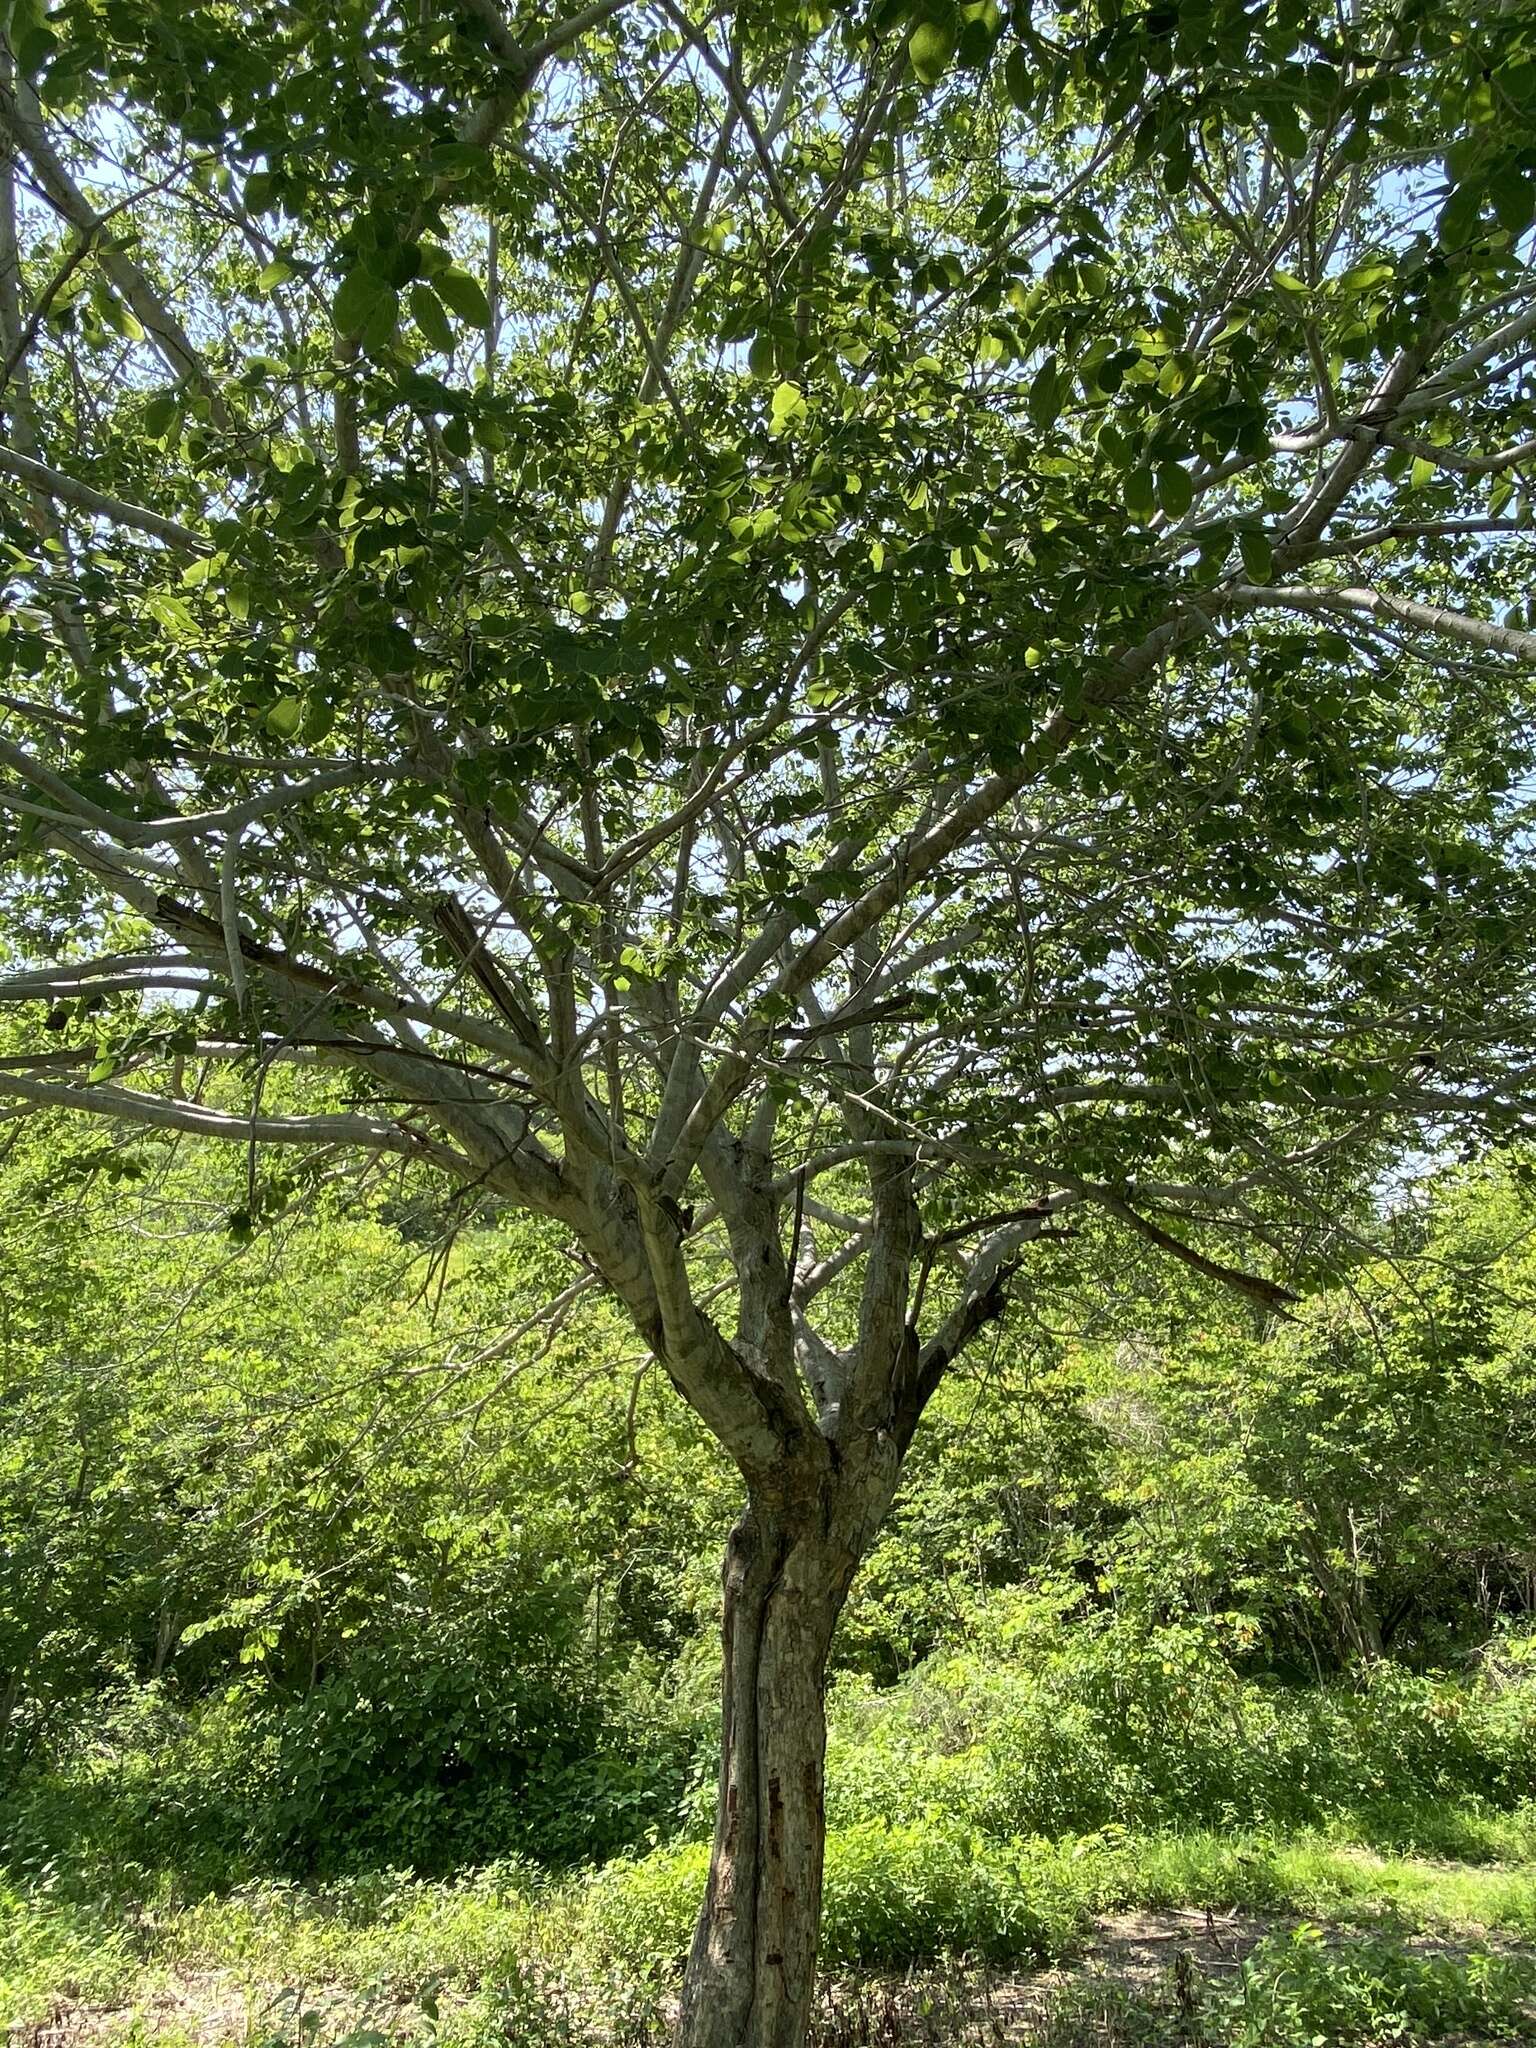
{"x":1354,"y":1614}
{"x":752,"y":1969}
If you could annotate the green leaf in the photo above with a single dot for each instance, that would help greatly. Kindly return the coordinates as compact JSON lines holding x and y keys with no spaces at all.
{"x":171,"y":613}
{"x":358,"y":298}
{"x":1459,"y":215}
{"x":159,"y":413}
{"x":115,"y":314}
{"x":276,"y":273}
{"x":1258,"y":556}
{"x":931,"y":46}
{"x":379,"y":328}
{"x":1285,"y":128}
{"x":197,"y":573}
{"x":1364,"y":277}
{"x":992,"y":213}
{"x":788,"y":406}
{"x":319,"y":717}
{"x":1175,"y":489}
{"x":1514,"y":197}
{"x":32,"y":38}
{"x":1046,"y":391}
{"x":463,"y":295}
{"x":1140,"y":493}
{"x":1019,"y":80}
{"x":430,"y":315}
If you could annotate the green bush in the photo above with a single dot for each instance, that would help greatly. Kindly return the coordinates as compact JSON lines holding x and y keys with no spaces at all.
{"x":892,"y":1896}
{"x":416,"y":1754}
{"x":896,"y":1895}
{"x":1299,"y":1988}
{"x":1117,"y":1725}
{"x":408,"y":1758}
{"x":642,"y":1911}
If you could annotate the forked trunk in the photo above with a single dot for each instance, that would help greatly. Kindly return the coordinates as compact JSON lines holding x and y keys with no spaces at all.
{"x":752,"y":1970}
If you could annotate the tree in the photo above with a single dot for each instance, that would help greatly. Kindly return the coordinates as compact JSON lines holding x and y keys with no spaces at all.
{"x":1363,"y":1478}
{"x":808,"y":642}
{"x":286,"y":1528}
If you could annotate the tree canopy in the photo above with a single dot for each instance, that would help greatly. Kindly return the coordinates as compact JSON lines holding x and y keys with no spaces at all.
{"x":831,"y":633}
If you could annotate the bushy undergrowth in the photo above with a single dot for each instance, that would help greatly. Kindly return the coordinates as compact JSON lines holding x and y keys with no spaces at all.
{"x":916,"y":1891}
{"x":989,"y":1805}
{"x":48,"y":1944}
{"x":1151,"y":1729}
{"x":500,"y":1959}
{"x":893,"y":1895}
{"x":1063,"y":1734}
{"x":406,"y":1774}
{"x":1300,"y":1988}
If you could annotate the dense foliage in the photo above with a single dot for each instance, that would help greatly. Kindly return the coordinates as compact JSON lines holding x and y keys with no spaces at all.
{"x":306,"y":1569}
{"x":815,"y":648}
{"x":287,"y":1517}
{"x":769,"y":688}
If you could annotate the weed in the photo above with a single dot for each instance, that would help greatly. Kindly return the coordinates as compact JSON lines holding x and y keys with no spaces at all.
{"x":1300,"y":1988}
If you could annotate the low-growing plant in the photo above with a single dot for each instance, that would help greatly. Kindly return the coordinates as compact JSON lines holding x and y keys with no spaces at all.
{"x":1122,"y":1725}
{"x":893,"y":1896}
{"x":53,"y":1947}
{"x":1301,"y":1988}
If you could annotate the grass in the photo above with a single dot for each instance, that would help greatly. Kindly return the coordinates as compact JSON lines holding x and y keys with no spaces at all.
{"x":53,"y":1948}
{"x":369,"y":1957}
{"x":388,"y":1929}
{"x":978,"y":1811}
{"x":1319,"y":1877}
{"x":913,"y":1893}
{"x":1297,"y":1987}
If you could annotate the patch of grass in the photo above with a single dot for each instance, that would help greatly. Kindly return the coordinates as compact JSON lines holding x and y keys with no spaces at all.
{"x":386,"y":1932}
{"x":911,"y":1893}
{"x":893,"y":1896}
{"x":1455,"y":1830}
{"x":53,"y":1948}
{"x":494,"y":1956}
{"x":1318,"y":1877}
{"x":1299,"y":1988}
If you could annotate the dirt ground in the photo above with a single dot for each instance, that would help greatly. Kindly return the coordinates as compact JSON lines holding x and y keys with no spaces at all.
{"x":1138,"y":1953}
{"x":1138,"y":1984}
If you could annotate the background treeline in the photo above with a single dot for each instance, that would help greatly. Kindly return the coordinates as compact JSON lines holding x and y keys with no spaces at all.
{"x":306,"y":1567}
